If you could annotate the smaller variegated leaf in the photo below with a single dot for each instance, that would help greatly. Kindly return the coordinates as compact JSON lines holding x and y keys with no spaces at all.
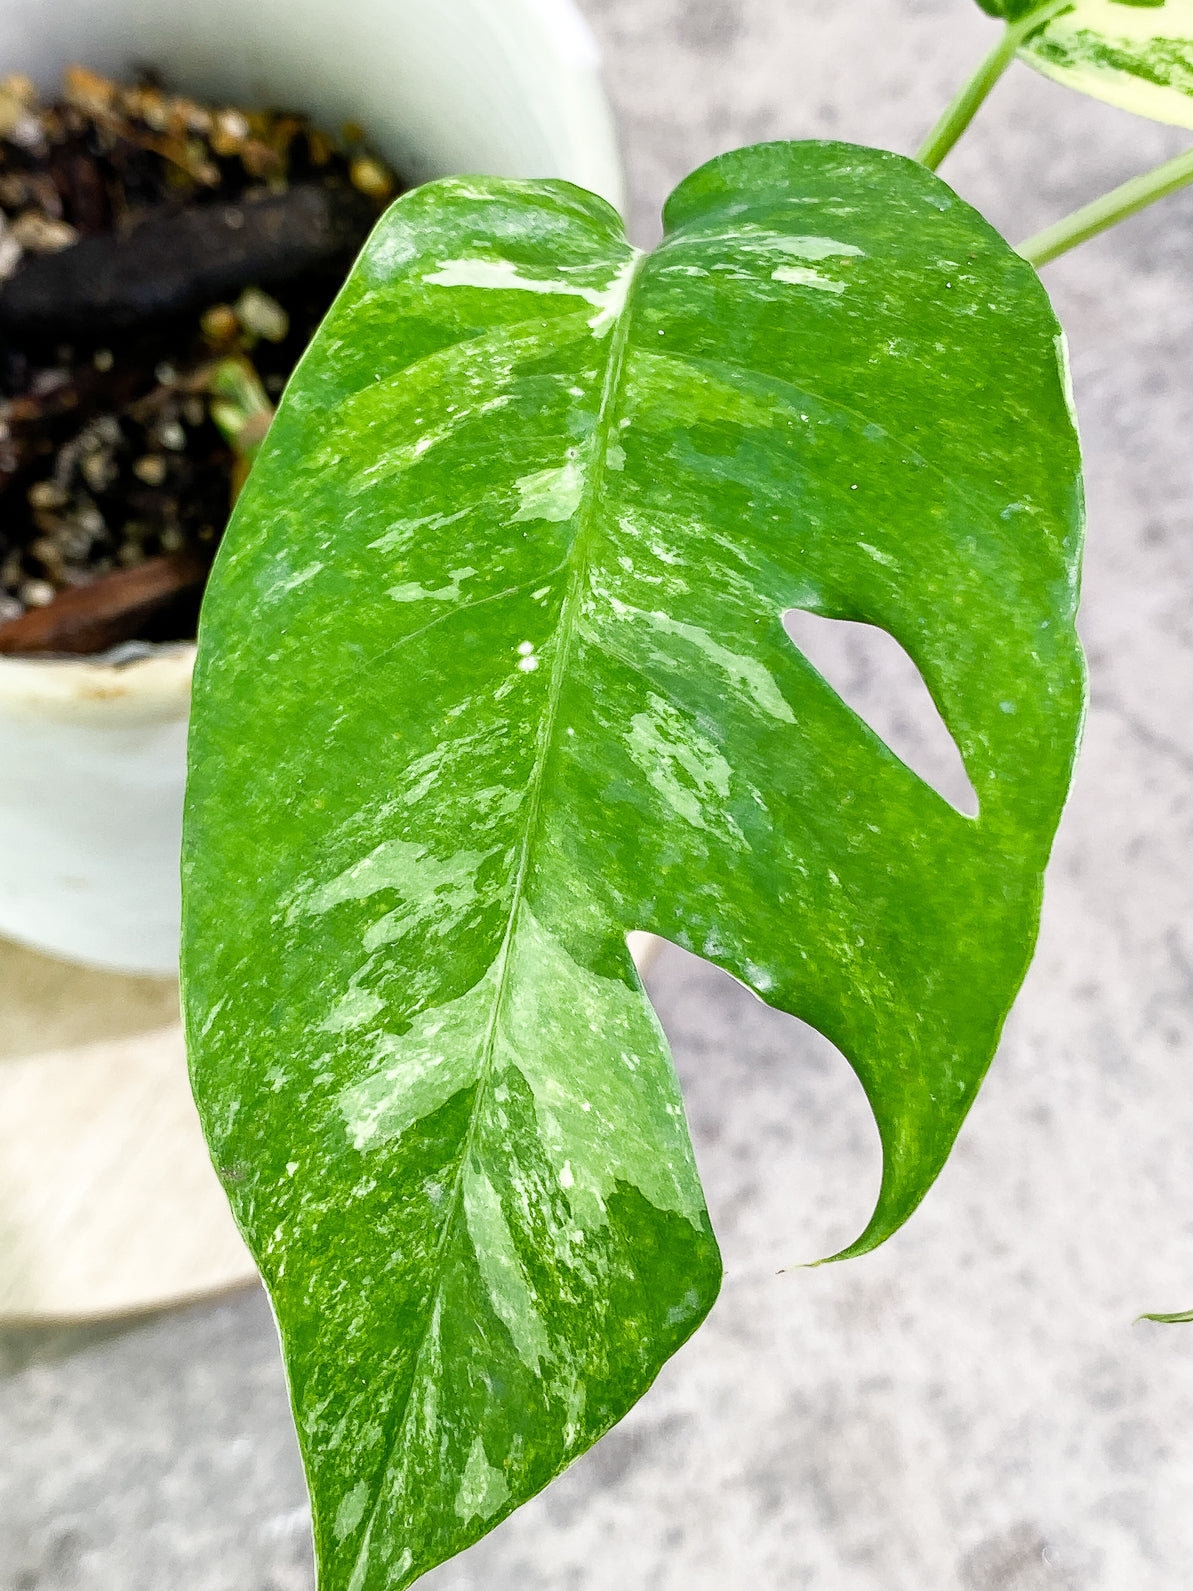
{"x":1137,"y":54}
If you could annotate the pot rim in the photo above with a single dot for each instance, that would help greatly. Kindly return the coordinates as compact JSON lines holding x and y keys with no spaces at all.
{"x":153,"y":686}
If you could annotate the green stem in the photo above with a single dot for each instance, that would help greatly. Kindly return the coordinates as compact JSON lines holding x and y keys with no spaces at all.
{"x":1107,"y":211}
{"x":964,"y":107}
{"x":242,"y":411}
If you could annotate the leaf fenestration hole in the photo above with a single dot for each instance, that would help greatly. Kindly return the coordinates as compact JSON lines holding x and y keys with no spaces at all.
{"x":786,"y":1142}
{"x":878,"y":681}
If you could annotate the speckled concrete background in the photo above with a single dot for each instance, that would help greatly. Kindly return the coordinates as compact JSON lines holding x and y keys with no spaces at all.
{"x":970,"y":1409}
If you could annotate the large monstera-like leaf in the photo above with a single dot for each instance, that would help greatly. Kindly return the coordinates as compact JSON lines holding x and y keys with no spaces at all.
{"x":493,"y":671}
{"x":1134,"y":53}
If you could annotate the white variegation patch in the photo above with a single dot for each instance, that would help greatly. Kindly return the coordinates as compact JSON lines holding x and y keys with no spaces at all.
{"x":748,"y":674}
{"x":510,"y":1292}
{"x":411,"y":591}
{"x":356,"y":1006}
{"x":403,"y":532}
{"x":804,"y":246}
{"x":483,"y":1489}
{"x":552,"y":494}
{"x":805,"y":276}
{"x":608,"y":1117}
{"x":682,"y":766}
{"x":610,"y":302}
{"x":429,"y":885}
{"x":418,"y":1071}
{"x":504,"y":275}
{"x":351,"y":1510}
{"x":1061,"y":343}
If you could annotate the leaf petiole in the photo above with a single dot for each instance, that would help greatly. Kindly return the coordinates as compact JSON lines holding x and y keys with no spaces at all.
{"x":965,"y":104}
{"x":1110,"y":209}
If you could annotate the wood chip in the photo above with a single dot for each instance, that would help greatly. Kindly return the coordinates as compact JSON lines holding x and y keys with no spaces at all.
{"x":110,"y":610}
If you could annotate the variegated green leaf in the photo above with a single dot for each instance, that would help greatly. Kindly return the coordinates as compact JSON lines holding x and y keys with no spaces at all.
{"x":1137,"y":54}
{"x":493,"y":671}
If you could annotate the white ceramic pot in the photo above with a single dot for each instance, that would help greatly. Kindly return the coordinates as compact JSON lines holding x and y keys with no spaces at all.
{"x":92,"y":755}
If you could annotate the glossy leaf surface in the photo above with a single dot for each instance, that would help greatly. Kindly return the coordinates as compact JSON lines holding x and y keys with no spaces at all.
{"x":493,"y":671}
{"x":1137,"y":54}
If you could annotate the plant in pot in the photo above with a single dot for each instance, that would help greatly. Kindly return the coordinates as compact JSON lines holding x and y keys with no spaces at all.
{"x":503,"y":604}
{"x":92,"y":746}
{"x":91,"y":753}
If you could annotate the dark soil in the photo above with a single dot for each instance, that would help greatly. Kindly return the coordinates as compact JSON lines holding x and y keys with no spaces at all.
{"x":163,"y":264}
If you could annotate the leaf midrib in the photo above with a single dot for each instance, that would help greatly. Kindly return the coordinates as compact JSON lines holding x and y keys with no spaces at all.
{"x":587,"y":517}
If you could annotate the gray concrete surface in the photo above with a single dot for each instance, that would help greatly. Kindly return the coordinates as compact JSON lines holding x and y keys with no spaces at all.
{"x":971,"y":1409}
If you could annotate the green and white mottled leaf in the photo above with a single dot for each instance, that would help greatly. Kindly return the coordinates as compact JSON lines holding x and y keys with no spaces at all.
{"x":1137,"y":54}
{"x":493,"y":671}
